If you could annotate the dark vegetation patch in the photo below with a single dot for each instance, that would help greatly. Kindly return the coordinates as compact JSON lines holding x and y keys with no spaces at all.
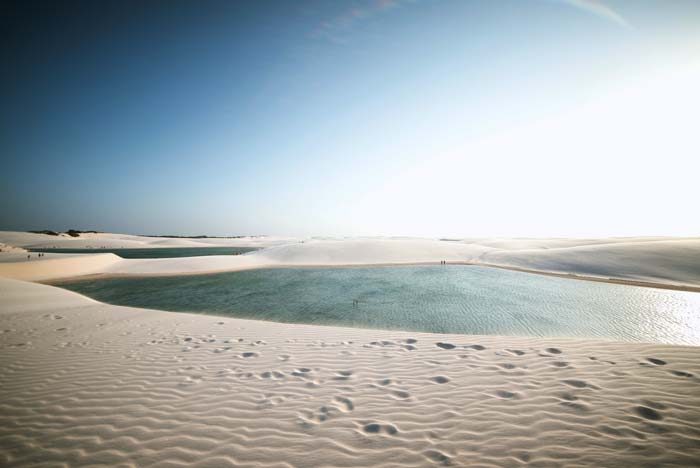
{"x":70,"y":232}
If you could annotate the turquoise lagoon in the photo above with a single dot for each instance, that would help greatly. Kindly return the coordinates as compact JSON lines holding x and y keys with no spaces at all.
{"x":441,"y":299}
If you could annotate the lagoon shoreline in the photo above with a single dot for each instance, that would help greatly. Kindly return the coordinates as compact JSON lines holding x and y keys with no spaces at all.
{"x":573,"y":276}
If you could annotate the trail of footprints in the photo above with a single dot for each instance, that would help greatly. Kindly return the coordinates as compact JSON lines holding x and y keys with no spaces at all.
{"x":572,"y":396}
{"x":337,"y":406}
{"x":648,"y":410}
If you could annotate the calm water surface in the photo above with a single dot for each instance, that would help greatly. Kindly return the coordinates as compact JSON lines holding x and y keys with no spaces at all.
{"x":166,"y":252}
{"x":443,"y":299}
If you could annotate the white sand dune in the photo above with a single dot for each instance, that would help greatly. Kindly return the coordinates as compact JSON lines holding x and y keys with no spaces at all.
{"x":88,"y":384}
{"x":59,"y":266}
{"x":11,"y":253}
{"x":127,"y":241}
{"x":558,"y":243}
{"x":662,"y":261}
{"x":370,"y":251}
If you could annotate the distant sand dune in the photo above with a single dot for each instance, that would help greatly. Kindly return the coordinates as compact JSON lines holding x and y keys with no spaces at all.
{"x":661,"y":261}
{"x":127,"y":241}
{"x":88,"y":384}
{"x":666,"y":261}
{"x":59,"y":266}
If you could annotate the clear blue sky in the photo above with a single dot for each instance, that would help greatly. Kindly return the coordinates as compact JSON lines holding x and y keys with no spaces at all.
{"x":433,"y":117}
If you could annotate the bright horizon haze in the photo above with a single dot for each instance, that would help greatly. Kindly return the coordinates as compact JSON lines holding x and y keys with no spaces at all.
{"x":561,"y":118}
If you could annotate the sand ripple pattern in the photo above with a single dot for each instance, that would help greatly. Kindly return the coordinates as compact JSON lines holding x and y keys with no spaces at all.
{"x":96,"y":385}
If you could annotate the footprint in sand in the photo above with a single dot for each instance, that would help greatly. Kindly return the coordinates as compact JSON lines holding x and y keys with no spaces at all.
{"x":343,"y":375}
{"x":274,"y":375}
{"x":648,"y":413}
{"x":400,"y":394}
{"x":437,"y":457}
{"x":445,"y":345}
{"x":505,"y":394}
{"x":379,"y":344}
{"x":339,"y":405}
{"x":376,"y":428}
{"x":603,"y":361}
{"x":249,"y":355}
{"x":568,"y":396}
{"x":440,"y":379}
{"x":302,"y":372}
{"x":409,"y":344}
{"x":579,"y":384}
{"x":657,"y":362}
{"x":344,"y":403}
{"x":268,"y":401}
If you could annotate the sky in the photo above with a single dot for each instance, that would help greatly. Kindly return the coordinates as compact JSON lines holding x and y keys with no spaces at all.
{"x":438,"y":118}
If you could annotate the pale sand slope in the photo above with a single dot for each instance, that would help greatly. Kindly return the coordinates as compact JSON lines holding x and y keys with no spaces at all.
{"x":554,"y":243}
{"x":667,"y":261}
{"x":88,"y":384}
{"x":311,"y":252}
{"x":656,"y":260}
{"x":128,"y":241}
{"x":59,"y":266}
{"x":11,"y":253}
{"x":670,"y":262}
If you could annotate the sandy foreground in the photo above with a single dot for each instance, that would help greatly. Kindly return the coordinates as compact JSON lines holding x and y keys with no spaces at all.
{"x":89,"y":384}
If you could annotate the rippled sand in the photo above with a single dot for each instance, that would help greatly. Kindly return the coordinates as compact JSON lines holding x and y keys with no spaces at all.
{"x":83,"y":383}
